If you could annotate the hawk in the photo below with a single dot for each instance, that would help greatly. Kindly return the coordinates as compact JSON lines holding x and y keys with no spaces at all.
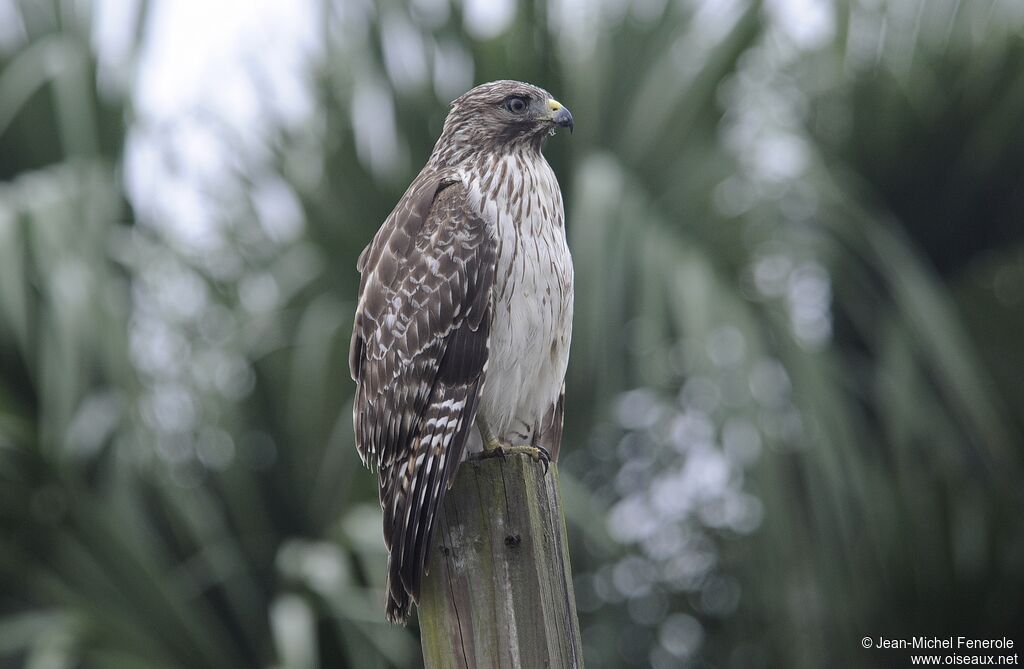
{"x":464,"y":316}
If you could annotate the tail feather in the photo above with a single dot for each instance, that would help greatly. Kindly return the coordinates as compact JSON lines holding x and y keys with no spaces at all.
{"x":550,"y":434}
{"x":399,"y":606}
{"x":414,"y":488}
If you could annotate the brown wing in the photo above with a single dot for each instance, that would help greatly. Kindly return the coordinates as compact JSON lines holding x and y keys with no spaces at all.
{"x":418,"y":355}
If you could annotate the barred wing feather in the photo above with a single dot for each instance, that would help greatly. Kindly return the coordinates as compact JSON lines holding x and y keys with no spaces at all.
{"x":419,"y":357}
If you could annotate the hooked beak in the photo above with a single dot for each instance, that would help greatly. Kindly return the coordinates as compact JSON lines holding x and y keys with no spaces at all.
{"x":560,"y":115}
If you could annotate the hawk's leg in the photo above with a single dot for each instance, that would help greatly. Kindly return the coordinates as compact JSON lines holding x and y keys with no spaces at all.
{"x":491,"y":443}
{"x":493,"y":447}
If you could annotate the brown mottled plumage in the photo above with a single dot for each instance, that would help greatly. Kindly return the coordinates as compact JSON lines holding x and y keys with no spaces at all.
{"x":469,"y":279}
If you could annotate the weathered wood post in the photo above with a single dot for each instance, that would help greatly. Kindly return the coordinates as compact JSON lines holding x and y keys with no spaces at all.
{"x":499,"y":592}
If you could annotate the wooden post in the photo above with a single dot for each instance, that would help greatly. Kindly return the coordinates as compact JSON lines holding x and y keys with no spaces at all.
{"x":499,"y":592}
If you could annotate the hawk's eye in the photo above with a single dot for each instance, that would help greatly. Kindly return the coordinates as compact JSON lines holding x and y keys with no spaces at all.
{"x":516,"y":105}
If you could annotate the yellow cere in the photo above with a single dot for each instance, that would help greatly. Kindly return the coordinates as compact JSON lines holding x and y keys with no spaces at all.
{"x":554,"y":105}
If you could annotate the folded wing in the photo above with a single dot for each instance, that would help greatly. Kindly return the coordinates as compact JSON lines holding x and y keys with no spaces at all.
{"x":419,"y":357}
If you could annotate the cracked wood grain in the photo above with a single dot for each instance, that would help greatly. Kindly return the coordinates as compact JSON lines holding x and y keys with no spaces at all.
{"x":499,"y":592}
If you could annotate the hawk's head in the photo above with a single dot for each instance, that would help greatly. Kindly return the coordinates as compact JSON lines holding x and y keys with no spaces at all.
{"x":504,"y":114}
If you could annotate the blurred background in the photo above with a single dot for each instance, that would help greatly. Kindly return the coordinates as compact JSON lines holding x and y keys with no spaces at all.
{"x":796,"y":393}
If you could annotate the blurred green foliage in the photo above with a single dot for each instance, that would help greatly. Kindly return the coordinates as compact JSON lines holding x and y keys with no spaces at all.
{"x":796,"y":385}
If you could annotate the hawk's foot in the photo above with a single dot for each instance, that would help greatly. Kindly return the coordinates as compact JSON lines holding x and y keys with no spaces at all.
{"x":502,"y":451}
{"x":493,"y":445}
{"x":539,"y":454}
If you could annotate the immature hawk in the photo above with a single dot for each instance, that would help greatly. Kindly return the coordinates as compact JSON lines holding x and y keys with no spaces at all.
{"x":465,"y":315}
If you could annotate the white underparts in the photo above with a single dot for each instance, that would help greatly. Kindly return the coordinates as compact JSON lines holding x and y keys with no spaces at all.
{"x":532,"y":295}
